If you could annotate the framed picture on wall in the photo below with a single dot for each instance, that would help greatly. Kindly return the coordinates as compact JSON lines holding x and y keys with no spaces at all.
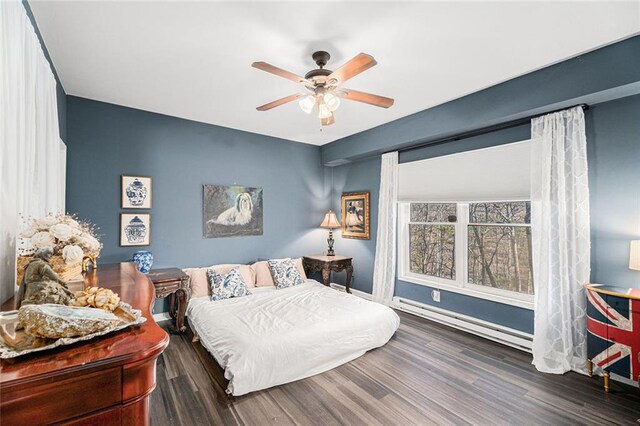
{"x":136,"y":192}
{"x":232,"y":211}
{"x":355,"y":215}
{"x":135,"y":229}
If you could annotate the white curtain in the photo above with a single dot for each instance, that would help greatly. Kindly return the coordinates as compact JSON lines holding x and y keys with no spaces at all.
{"x":32,"y":156}
{"x":384,"y":272}
{"x":561,"y":241}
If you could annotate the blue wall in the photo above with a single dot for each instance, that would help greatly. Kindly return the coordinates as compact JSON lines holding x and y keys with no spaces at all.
{"x":106,"y":141}
{"x":60,"y":93}
{"x":613,"y":138}
{"x":362,"y":176}
{"x":607,"y":78}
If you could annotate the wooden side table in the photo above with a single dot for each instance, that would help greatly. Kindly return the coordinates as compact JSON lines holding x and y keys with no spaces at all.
{"x":174,"y":283}
{"x":326,"y":264}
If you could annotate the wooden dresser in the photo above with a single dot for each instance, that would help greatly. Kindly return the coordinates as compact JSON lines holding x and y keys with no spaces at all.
{"x":613,"y":331}
{"x":106,"y":380}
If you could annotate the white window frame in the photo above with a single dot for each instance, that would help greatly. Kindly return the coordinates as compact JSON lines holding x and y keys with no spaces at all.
{"x":460,"y":284}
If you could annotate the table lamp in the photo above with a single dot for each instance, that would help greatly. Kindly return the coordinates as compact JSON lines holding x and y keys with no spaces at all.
{"x":634,"y":255}
{"x":331,"y":222}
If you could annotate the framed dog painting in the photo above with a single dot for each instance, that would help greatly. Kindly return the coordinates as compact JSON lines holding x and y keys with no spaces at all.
{"x":355,"y":215}
{"x":136,"y":192}
{"x":232,"y":211}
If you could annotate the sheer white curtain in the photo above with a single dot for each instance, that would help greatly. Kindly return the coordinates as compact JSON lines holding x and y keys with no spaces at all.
{"x":32,"y":156}
{"x":384,"y":272}
{"x":561,"y":241}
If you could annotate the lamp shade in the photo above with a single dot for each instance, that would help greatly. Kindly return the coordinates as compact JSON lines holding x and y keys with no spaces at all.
{"x":634,"y":255}
{"x":330,"y":220}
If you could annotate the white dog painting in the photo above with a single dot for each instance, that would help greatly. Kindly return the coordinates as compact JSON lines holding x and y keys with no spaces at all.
{"x":240,"y":214}
{"x":232,"y":211}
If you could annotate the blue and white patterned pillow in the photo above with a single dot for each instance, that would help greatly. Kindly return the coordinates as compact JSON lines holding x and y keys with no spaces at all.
{"x":284,"y":273}
{"x":231,"y":285}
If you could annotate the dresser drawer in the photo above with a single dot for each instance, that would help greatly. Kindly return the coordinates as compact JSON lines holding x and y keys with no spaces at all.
{"x":62,"y":399}
{"x":622,"y":304}
{"x":164,"y":289}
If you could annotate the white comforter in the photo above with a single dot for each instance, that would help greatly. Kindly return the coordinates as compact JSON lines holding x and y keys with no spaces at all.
{"x":274,"y":337}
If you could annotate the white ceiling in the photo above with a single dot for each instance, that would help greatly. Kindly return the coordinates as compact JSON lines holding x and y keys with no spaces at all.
{"x":192,"y":59}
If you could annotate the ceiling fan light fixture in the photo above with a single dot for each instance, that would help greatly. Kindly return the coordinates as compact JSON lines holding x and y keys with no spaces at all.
{"x":332,"y":101}
{"x":307,"y":103}
{"x":324,"y":111}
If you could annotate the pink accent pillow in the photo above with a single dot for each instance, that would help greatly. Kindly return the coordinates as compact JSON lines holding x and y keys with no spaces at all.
{"x":262,"y":274}
{"x":248,"y":275}
{"x":200,"y":284}
{"x":298,"y":263}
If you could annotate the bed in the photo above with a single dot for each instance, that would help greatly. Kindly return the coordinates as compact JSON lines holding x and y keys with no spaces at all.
{"x":272,"y":337}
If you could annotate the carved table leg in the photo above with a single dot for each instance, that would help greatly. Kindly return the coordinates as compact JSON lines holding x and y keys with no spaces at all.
{"x":326,"y":274}
{"x":172,"y":305}
{"x":349,"y":275}
{"x":606,"y":381}
{"x":181,"y":295}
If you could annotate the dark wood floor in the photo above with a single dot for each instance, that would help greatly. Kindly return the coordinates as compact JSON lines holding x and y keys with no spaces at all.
{"x":426,"y":374}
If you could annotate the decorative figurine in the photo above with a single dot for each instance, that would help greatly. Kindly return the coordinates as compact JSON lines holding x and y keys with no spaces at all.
{"x":40,"y":284}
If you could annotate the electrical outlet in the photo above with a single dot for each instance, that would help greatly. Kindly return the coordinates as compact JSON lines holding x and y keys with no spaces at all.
{"x":435,"y":295}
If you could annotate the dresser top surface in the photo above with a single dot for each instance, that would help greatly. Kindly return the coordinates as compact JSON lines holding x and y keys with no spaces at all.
{"x":120,"y":347}
{"x":324,"y":258}
{"x":627,"y":292}
{"x":166,"y":274}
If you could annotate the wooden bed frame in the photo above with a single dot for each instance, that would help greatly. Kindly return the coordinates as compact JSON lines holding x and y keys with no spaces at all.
{"x":213,"y":369}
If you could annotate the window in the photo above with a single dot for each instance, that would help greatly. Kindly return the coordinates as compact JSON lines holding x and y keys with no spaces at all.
{"x":432,"y":239}
{"x":478,"y":248}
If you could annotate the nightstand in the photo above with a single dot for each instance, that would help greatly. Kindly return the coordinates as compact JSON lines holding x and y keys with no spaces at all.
{"x":175,"y":284}
{"x":327,"y":264}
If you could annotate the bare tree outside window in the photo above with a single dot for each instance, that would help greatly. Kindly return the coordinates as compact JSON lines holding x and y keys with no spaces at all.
{"x":432,"y":242}
{"x":499,"y":246}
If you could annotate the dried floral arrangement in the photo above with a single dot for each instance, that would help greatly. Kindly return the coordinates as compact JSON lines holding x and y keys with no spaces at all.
{"x":70,"y":239}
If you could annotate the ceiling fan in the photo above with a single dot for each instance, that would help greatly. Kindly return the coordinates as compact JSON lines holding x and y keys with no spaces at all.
{"x":324,"y":86}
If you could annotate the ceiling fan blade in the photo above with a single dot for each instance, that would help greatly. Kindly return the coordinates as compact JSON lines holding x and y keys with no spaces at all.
{"x":355,"y":66}
{"x":281,"y":73}
{"x":367,"y":98}
{"x":279,"y":102}
{"x":328,"y":121}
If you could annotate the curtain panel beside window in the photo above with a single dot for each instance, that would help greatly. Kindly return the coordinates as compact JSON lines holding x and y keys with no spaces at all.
{"x":32,"y":156}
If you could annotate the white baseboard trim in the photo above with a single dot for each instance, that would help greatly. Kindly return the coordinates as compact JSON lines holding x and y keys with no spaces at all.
{"x":498,"y":333}
{"x":355,"y":292}
{"x":162,"y":316}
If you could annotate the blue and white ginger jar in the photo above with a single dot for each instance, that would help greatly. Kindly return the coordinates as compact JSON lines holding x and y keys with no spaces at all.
{"x":144,"y":260}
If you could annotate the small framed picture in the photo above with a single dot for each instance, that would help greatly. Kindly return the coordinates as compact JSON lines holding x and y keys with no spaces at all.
{"x":136,"y":192}
{"x":135,"y":229}
{"x":355,"y":215}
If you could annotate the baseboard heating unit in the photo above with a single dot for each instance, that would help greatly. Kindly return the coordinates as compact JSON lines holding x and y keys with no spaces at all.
{"x":505,"y":335}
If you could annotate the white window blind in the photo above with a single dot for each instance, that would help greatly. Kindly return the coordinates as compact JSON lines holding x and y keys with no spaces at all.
{"x":489,"y":174}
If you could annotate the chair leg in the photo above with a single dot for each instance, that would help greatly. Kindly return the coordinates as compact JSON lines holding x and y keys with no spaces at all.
{"x":606,"y":381}
{"x":590,"y":368}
